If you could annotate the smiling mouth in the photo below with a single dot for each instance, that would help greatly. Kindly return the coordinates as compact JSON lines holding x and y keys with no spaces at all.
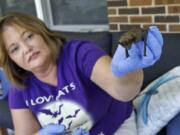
{"x":33,"y":56}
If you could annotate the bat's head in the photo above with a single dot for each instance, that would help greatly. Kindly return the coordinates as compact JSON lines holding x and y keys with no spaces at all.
{"x":132,"y":36}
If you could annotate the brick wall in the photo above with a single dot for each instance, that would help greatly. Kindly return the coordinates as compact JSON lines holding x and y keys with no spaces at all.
{"x":125,"y":14}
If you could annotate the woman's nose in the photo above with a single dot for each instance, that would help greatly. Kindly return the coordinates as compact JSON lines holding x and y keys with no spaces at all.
{"x":27,"y":48}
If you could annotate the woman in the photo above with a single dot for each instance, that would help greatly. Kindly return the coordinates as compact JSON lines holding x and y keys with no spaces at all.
{"x":69,"y":87}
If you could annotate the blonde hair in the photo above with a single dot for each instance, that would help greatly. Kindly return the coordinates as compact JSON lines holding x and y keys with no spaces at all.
{"x":54,"y":41}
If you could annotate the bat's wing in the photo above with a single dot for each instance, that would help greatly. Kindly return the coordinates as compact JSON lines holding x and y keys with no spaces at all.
{"x":76,"y":112}
{"x":60,"y":120}
{"x":69,"y":125}
{"x":69,"y":116}
{"x":72,"y":116}
{"x":46,"y":111}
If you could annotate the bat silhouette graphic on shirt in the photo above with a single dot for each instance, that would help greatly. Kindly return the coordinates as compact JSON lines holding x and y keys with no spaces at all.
{"x":53,"y":114}
{"x":73,"y":116}
{"x":60,"y":120}
{"x":69,"y":125}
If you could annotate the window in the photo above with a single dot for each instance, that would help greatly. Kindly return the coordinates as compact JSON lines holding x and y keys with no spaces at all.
{"x":76,"y":15}
{"x":27,"y":6}
{"x":63,"y":15}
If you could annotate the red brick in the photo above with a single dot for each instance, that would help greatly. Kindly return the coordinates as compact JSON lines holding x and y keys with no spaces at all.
{"x":125,"y":27}
{"x":140,"y":2}
{"x":153,"y":10}
{"x":167,"y":2}
{"x":174,"y":28}
{"x":113,"y":27}
{"x":123,"y":11}
{"x":111,"y":11}
{"x":140,"y":19}
{"x":117,"y":3}
{"x":118,"y":19}
{"x":167,"y":19}
{"x":174,"y":9}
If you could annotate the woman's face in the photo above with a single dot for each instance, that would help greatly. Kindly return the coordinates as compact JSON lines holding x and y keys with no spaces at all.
{"x":28,"y":50}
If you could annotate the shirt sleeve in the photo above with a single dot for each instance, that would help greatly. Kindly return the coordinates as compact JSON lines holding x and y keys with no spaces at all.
{"x":86,"y":55}
{"x":16,"y":100}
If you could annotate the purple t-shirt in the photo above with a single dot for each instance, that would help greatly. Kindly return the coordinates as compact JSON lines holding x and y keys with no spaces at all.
{"x":76,"y":101}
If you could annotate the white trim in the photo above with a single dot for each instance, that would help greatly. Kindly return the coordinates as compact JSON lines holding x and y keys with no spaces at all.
{"x":81,"y":28}
{"x":48,"y":12}
{"x":39,"y":9}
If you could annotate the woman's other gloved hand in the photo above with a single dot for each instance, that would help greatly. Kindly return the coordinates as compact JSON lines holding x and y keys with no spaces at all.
{"x":52,"y":129}
{"x":80,"y":131}
{"x":57,"y":129}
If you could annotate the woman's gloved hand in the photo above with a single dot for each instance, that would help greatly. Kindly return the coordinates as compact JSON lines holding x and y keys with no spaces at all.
{"x":58,"y":129}
{"x":122,"y":65}
{"x":52,"y":129}
{"x":80,"y":131}
{"x":5,"y":83}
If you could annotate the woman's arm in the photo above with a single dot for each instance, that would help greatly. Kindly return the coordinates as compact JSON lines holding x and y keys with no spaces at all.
{"x":24,"y":122}
{"x":121,"y":88}
{"x":122,"y":77}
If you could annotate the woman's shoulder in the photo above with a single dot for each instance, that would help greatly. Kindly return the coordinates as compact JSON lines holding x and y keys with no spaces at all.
{"x":75,"y":43}
{"x":27,"y":84}
{"x":79,"y":46}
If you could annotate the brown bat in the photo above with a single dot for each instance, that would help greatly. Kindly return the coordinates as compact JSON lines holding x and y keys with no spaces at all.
{"x":133,"y":36}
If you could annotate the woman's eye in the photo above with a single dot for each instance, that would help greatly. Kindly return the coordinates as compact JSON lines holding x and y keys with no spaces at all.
{"x":15,"y":49}
{"x":30,"y":36}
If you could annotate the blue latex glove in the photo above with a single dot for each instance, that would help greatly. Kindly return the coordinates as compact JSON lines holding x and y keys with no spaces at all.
{"x":80,"y":131}
{"x":52,"y":129}
{"x":121,"y":65}
{"x":5,"y":84}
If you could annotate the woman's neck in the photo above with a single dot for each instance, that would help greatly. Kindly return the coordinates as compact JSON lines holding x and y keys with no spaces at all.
{"x":48,"y":74}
